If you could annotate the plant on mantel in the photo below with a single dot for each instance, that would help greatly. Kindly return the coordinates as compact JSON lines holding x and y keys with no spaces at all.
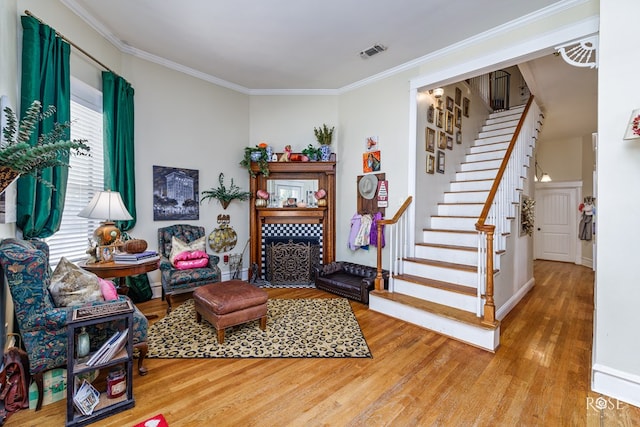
{"x":260,"y":157}
{"x":323,"y":134}
{"x":225,"y":195}
{"x":19,"y":157}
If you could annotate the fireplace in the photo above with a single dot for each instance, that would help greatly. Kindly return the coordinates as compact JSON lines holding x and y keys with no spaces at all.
{"x":289,"y":253}
{"x":291,"y":260}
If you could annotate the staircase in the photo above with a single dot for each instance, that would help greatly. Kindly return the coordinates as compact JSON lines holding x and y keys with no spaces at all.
{"x":441,"y":287}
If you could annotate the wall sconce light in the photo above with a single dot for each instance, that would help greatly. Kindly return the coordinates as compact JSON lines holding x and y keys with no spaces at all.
{"x":544,"y":177}
{"x":437,"y":93}
{"x":633,"y":128}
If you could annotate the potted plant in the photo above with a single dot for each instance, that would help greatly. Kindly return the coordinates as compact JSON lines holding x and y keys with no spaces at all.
{"x":225,"y":195}
{"x":324,"y":135}
{"x":312,"y":153}
{"x":19,"y":157}
{"x":256,"y":154}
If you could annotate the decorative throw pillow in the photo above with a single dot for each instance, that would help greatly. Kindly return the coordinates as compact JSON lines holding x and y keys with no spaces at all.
{"x":108,"y":289}
{"x":192,"y":263}
{"x":71,"y":285}
{"x":178,"y":247}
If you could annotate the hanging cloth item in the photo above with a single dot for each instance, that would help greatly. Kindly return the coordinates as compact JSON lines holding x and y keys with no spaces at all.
{"x":355,"y":227}
{"x":374,"y":231}
{"x":586,"y":227}
{"x":362,"y":238}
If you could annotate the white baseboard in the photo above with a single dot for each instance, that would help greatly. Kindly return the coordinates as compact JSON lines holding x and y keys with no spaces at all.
{"x":156,"y":287}
{"x":617,"y":384}
{"x":587,"y":262}
{"x":514,"y":300}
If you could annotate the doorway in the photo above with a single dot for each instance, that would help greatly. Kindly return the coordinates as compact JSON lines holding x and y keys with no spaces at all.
{"x":556,"y":222}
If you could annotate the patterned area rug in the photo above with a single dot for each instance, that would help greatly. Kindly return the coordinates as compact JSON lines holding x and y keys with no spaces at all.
{"x":295,"y":328}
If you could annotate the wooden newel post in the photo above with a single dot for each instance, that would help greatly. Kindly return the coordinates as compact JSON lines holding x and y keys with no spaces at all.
{"x":489,"y":304}
{"x":379,"y":283}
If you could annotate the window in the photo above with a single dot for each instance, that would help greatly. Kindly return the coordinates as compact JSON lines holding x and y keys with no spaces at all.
{"x":86,"y":176}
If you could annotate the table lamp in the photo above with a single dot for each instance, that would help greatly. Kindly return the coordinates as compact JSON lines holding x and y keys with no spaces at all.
{"x":106,"y":205}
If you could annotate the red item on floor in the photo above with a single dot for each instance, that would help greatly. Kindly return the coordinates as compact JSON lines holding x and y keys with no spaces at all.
{"x":157,"y":421}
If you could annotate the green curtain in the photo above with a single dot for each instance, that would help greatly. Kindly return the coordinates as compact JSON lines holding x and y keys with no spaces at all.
{"x":119,"y":159}
{"x":45,"y":77}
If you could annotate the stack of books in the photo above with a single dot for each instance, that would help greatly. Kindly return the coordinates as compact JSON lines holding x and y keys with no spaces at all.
{"x":141,"y":258}
{"x":110,"y":348}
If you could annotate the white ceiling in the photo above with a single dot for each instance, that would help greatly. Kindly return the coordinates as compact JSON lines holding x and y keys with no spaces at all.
{"x":314,"y":45}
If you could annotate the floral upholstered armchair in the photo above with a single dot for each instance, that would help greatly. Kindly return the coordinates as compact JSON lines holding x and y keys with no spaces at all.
{"x":43,"y":326}
{"x":176,"y":280}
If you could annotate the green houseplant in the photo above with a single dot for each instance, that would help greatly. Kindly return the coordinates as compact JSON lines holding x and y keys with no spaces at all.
{"x":225,"y":195}
{"x":312,"y":152}
{"x":19,"y":157}
{"x":256,"y":154}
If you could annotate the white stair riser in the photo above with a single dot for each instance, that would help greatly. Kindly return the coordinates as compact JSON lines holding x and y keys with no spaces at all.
{"x":447,"y":238}
{"x":473,"y":175}
{"x":516,"y":111}
{"x":460,"y":277}
{"x":485,"y":164}
{"x":457,"y":256}
{"x":480,"y":337}
{"x":489,"y":155}
{"x":484,"y":185}
{"x":466,"y":197}
{"x":501,"y":125}
{"x":439,"y":296}
{"x":497,"y":145}
{"x":453,"y":223}
{"x":460,"y":210}
{"x":501,"y":132}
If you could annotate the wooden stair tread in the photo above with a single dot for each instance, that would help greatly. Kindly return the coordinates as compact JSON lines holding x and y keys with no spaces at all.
{"x":443,"y":246}
{"x":447,"y":286}
{"x":463,"y":267}
{"x":435,"y":308}
{"x":443,"y":230}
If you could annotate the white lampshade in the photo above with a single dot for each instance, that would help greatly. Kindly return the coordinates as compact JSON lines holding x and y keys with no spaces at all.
{"x":106,"y":205}
{"x":438,"y":92}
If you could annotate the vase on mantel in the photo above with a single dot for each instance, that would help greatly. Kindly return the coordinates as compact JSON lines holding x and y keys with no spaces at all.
{"x":325,"y":153}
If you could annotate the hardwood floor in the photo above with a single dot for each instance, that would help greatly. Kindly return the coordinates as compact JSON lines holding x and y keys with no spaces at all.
{"x":539,"y":376}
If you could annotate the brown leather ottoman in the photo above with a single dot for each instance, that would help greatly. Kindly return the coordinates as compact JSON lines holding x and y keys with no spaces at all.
{"x":230,"y":303}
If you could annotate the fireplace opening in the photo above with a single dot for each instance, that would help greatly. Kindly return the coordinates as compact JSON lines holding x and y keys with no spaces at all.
{"x":291,"y":260}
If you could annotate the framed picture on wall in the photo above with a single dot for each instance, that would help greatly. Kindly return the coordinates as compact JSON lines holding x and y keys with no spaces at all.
{"x":439,"y":117}
{"x":431,"y":163}
{"x":458,"y":117}
{"x":459,"y":137}
{"x":175,"y":194}
{"x":430,"y":113}
{"x":449,"y":103}
{"x":458,"y":96}
{"x":442,"y":140}
{"x":449,"y":122}
{"x":440,"y":167}
{"x":449,"y":142}
{"x":430,"y":139}
{"x":465,"y":107}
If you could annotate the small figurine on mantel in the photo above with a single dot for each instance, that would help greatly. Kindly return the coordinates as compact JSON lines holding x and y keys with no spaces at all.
{"x":286,"y":156}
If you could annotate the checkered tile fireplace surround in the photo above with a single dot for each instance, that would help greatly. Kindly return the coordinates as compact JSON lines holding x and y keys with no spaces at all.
{"x":311,"y":233}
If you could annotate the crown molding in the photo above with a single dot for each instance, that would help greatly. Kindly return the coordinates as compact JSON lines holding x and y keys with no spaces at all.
{"x":495,"y":32}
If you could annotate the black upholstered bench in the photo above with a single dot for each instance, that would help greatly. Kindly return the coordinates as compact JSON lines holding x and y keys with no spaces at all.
{"x":349,"y":280}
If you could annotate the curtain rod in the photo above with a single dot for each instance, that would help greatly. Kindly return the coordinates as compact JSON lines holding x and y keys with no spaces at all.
{"x":84,"y":52}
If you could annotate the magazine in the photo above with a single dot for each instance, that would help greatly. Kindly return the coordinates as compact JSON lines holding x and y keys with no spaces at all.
{"x":86,"y":398}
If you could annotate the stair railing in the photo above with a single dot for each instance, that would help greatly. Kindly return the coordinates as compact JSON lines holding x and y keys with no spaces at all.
{"x":397,"y":241}
{"x":500,"y":207}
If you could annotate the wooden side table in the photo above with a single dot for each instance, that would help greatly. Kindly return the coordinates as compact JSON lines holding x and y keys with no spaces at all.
{"x":112,"y":270}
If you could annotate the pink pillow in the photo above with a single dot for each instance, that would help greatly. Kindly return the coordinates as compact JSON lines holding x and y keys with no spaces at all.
{"x":192,"y":263}
{"x":188,"y":255}
{"x":108,"y":289}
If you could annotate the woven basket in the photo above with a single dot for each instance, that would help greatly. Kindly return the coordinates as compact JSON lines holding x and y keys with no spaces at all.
{"x":135,"y":246}
{"x":7,"y":176}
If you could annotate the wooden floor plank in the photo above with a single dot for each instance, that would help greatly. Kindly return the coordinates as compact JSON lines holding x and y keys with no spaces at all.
{"x":539,"y":376}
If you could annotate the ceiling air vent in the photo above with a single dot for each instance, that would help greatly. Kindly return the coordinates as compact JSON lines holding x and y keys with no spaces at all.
{"x":373,"y":50}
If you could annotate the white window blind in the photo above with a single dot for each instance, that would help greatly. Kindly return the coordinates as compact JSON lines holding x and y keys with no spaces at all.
{"x":86,"y":176}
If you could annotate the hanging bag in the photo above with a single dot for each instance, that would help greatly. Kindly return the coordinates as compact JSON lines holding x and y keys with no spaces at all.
{"x":14,"y":385}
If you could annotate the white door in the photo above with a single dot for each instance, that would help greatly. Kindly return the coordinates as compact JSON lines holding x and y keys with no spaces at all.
{"x":556,"y":226}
